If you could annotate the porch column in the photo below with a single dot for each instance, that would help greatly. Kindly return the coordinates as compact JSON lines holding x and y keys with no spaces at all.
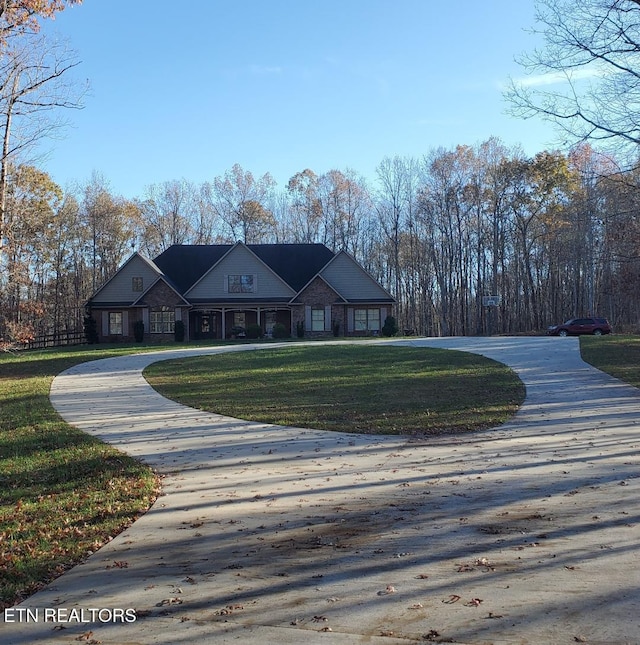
{"x":224,"y":325}
{"x":258,"y":315}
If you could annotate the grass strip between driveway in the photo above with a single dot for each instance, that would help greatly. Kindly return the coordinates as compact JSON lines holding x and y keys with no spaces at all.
{"x":349,"y":388}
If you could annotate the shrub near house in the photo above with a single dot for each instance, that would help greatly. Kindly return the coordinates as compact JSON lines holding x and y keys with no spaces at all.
{"x":270,"y":289}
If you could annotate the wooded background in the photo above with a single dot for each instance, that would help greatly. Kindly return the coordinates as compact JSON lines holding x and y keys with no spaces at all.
{"x":554,"y":236}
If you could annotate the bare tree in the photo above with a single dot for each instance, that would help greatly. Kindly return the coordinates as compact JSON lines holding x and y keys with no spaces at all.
{"x":395,"y":203}
{"x":305,"y":207}
{"x":108,"y":224}
{"x":33,"y":84}
{"x":168,"y":215}
{"x":586,"y":78}
{"x":240,"y":202}
{"x":345,"y":205}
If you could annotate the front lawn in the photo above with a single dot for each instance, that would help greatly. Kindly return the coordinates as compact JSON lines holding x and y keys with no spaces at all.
{"x":348,"y":388}
{"x":63,"y":493}
{"x":616,"y":355}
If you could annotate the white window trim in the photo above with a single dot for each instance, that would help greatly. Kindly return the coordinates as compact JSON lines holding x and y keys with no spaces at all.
{"x":318,"y":323}
{"x":109,"y":323}
{"x":162,"y":321}
{"x":368,"y":319}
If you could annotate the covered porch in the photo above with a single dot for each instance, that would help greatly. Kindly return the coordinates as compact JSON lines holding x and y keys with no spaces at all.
{"x":227,"y":322}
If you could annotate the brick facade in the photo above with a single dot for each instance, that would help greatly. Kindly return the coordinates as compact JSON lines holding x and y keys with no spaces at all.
{"x":161,"y":294}
{"x":320,"y":294}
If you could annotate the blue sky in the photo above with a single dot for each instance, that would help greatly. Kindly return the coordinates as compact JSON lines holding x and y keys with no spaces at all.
{"x":185,"y":90}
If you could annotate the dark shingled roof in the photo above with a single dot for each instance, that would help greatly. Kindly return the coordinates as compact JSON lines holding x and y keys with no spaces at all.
{"x":296,"y":264}
{"x":185,"y":264}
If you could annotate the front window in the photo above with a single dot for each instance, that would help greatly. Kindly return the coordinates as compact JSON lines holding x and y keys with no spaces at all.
{"x":367,"y":319}
{"x":241,"y":284}
{"x":115,"y":323}
{"x":317,"y":319}
{"x":162,"y":320}
{"x":136,"y":284}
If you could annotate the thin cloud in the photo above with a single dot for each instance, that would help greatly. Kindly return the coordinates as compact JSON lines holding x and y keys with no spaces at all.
{"x":556,"y":78}
{"x":373,"y":75}
{"x":265,"y":70}
{"x":444,"y":122}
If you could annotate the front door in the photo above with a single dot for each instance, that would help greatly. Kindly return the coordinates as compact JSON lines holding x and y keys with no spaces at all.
{"x":206,"y":325}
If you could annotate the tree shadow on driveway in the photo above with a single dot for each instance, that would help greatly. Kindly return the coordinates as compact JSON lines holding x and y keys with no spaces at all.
{"x":526,"y":533}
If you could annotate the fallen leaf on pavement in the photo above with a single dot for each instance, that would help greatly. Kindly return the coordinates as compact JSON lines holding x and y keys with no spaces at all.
{"x":169,"y":601}
{"x":474,"y":602}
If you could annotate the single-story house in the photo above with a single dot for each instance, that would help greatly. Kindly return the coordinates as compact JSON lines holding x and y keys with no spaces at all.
{"x":219,"y":290}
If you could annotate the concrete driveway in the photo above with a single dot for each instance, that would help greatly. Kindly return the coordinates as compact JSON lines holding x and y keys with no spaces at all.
{"x":528,"y":533}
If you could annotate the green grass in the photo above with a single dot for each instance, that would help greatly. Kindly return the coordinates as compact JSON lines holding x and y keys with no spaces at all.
{"x":62,"y":493}
{"x":616,"y":355}
{"x":349,"y":388}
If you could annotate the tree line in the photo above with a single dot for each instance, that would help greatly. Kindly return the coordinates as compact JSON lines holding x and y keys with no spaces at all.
{"x":552,"y":236}
{"x":549,"y":237}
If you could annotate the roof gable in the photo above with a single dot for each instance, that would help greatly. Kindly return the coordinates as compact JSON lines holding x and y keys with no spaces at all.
{"x":200,"y":272}
{"x":312,"y":285}
{"x":352,"y":282}
{"x":240,"y":260}
{"x":119,"y":288}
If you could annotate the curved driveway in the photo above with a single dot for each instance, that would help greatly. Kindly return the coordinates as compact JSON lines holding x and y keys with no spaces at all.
{"x":528,"y":533}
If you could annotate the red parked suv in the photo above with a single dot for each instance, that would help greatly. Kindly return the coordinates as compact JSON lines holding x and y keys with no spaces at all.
{"x":577,"y":326}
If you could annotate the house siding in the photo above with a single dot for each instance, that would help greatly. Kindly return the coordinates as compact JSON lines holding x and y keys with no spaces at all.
{"x":351,"y":281}
{"x":239,"y":261}
{"x":120,"y":289}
